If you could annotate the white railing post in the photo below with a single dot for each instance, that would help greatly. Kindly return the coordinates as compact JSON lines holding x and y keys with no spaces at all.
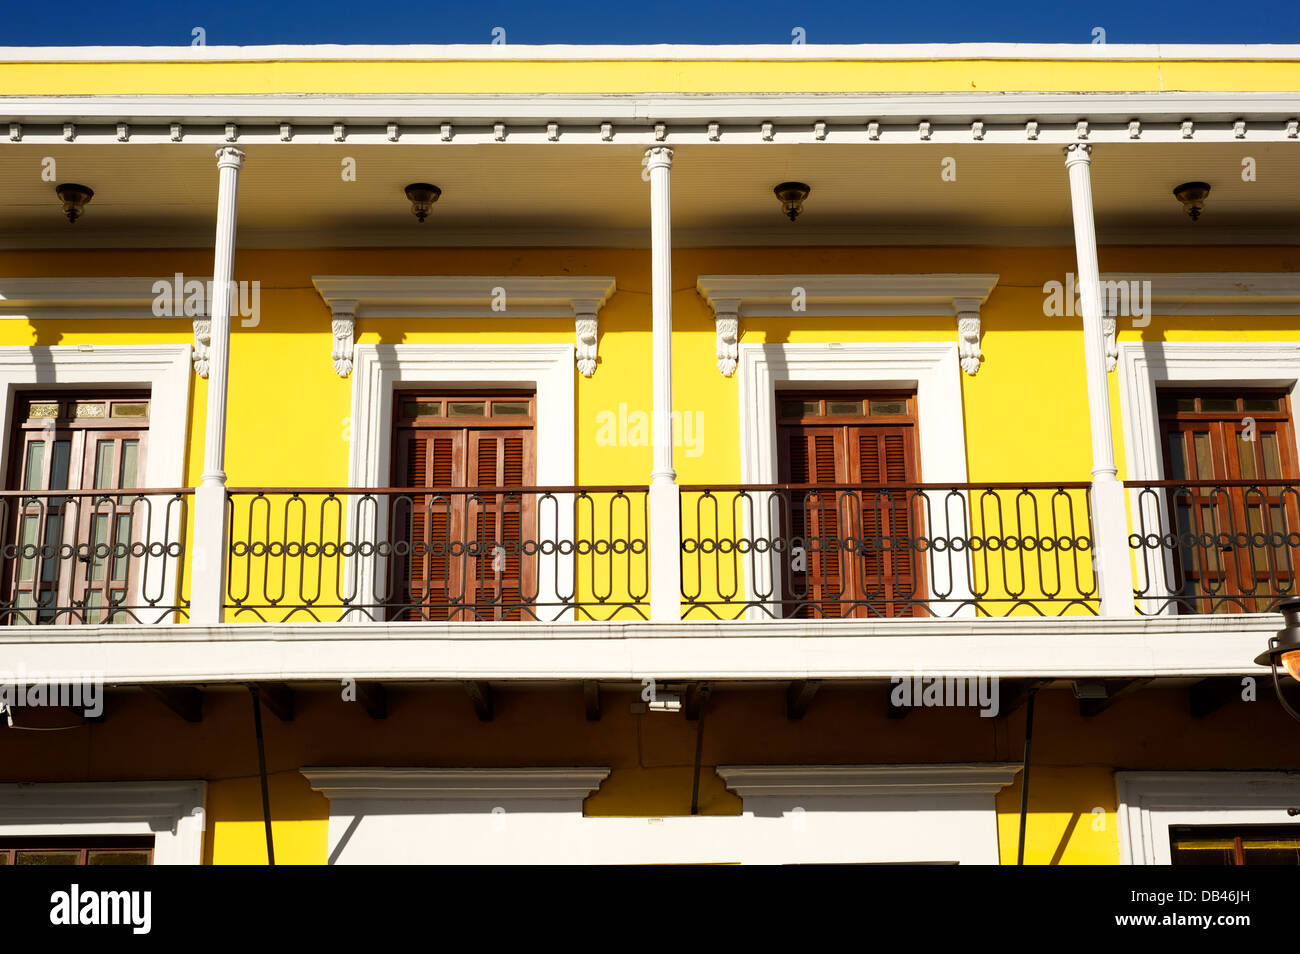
{"x":208,"y":559}
{"x":1109,"y":519}
{"x":665,"y":499}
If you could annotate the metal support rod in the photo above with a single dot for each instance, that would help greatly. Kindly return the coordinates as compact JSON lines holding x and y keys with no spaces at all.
{"x":1024,"y":774}
{"x":699,"y":753}
{"x":261,"y":771}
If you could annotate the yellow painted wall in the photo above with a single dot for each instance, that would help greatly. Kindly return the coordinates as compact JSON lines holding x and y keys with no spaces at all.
{"x":284,"y":392}
{"x":183,"y":76}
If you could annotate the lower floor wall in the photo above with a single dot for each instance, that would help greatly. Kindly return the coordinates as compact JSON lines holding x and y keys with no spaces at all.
{"x":637,"y":768}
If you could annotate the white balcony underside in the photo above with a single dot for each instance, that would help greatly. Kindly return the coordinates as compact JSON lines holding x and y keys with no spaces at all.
{"x":1074,"y":647}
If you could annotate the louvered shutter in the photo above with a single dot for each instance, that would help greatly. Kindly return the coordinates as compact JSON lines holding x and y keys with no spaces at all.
{"x":501,"y":574}
{"x":887,"y":574}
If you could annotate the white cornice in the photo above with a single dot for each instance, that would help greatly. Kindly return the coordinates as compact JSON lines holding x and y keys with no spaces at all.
{"x":643,"y":51}
{"x":457,"y":784}
{"x":464,"y":296}
{"x":1219,"y":293}
{"x":1074,"y":647}
{"x":300,"y":120}
{"x":843,"y":296}
{"x":78,"y":298}
{"x":351,"y":297}
{"x":822,"y":781}
{"x":733,"y":297}
{"x":83,"y":297}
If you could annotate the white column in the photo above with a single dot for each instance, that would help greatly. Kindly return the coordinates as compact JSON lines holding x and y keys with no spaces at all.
{"x":208,"y":563}
{"x":665,"y":500}
{"x":1109,"y":519}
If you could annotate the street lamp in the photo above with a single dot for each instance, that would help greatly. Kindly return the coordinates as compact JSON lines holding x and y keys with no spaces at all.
{"x":1284,"y":648}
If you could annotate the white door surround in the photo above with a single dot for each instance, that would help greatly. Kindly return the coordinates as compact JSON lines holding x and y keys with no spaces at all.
{"x":381,"y":369}
{"x":1151,"y":802}
{"x":172,"y":812}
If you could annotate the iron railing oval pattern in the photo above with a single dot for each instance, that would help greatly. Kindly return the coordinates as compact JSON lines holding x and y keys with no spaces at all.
{"x":886,"y":550}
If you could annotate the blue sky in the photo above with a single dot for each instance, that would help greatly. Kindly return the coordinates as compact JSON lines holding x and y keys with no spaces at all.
{"x":169,"y":23}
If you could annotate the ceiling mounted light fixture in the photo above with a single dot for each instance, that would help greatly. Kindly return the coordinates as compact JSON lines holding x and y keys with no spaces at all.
{"x":792,"y":195}
{"x":74,"y":198}
{"x":422,"y":196}
{"x":1192,"y":196}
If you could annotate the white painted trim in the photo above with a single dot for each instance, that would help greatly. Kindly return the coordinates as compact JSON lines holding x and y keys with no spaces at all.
{"x":379,"y":369}
{"x":793,"y":813}
{"x":172,"y":812}
{"x":578,"y":298}
{"x":846,"y":296}
{"x":464,"y":296}
{"x":930,"y":367}
{"x":1034,"y":118}
{"x":859,"y":781}
{"x":458,"y":784}
{"x":667,"y":51}
{"x":1151,"y":802}
{"x":163,"y":369}
{"x":1219,"y":293}
{"x":1143,"y":366}
{"x":1076,"y":647}
{"x":86,"y":297}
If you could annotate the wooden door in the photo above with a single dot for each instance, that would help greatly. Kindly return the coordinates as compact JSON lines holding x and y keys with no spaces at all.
{"x":467,"y":548}
{"x":75,"y":559}
{"x":855,"y":555}
{"x":1232,"y":554}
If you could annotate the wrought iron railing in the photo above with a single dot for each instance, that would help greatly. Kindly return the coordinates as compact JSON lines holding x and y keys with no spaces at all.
{"x":886,"y":550}
{"x":1228,"y":546}
{"x":454,"y":554}
{"x":93,"y":556}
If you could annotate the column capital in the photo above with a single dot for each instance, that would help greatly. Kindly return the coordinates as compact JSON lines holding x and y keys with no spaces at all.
{"x":229,"y":157}
{"x":659,"y":156}
{"x":1078,"y":152}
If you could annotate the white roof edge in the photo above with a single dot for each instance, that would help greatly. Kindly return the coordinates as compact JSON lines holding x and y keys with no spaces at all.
{"x":665,"y":51}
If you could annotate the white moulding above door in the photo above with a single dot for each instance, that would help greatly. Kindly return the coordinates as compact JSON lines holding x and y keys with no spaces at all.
{"x":733,"y":297}
{"x":352,"y":297}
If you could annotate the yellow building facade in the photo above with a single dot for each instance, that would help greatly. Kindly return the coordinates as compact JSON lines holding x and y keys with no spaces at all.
{"x":608,"y":511}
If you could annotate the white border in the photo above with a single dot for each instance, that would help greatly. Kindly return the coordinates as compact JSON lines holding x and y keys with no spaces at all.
{"x":930,"y":367}
{"x":164,"y":369}
{"x":173,"y":812}
{"x":645,"y":51}
{"x":1150,"y":802}
{"x":380,"y":368}
{"x":1143,"y":366}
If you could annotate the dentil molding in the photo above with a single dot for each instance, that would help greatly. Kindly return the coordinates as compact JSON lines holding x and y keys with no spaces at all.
{"x":352,"y":297}
{"x":732,"y":297}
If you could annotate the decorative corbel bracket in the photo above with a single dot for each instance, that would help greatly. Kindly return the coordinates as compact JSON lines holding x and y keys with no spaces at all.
{"x":202,"y":345}
{"x":343,"y":324}
{"x":726,"y":321}
{"x":587,"y":326}
{"x":968,"y":333}
{"x":1108,"y":326}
